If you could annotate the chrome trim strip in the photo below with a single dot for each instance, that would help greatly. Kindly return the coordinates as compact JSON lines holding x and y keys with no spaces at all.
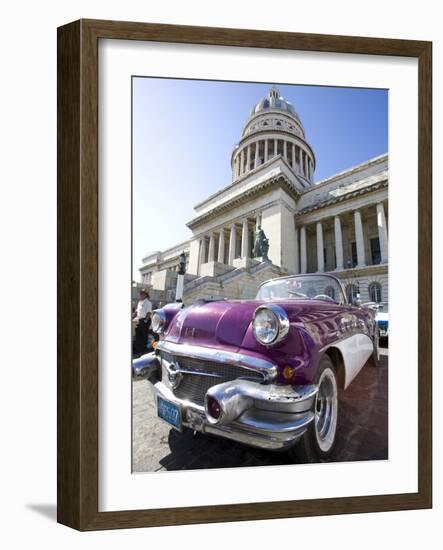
{"x":266,"y":368}
{"x":175,"y":368}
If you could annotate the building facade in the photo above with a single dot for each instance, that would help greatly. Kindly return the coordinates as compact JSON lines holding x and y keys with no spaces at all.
{"x":338,"y":225}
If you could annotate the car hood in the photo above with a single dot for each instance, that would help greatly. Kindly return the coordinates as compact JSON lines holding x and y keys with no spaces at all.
{"x":227,"y":322}
{"x":212,"y":323}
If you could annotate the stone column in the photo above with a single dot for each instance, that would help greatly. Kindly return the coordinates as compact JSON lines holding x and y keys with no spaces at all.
{"x":297,"y":261}
{"x":338,"y":243}
{"x":248,"y":158}
{"x":303,"y":254}
{"x":320,"y":252}
{"x":242,"y":162}
{"x":203,"y":251}
{"x":382,"y":232}
{"x":221,"y":247}
{"x":361,"y":262}
{"x":256,"y":155}
{"x":300,"y":152}
{"x":211,"y":253}
{"x":245,"y":240}
{"x":285,"y":149}
{"x":266,"y":150}
{"x":232,"y":237}
{"x":275,"y":147}
{"x":294,"y":164}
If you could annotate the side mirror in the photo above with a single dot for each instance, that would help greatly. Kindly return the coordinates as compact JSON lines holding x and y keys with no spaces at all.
{"x":356,"y":301}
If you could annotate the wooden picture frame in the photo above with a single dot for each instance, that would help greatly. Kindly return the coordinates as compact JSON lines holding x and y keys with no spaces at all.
{"x":78,"y":273}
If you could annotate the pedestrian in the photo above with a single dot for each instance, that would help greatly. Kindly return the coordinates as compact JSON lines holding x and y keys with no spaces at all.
{"x":142,"y":320}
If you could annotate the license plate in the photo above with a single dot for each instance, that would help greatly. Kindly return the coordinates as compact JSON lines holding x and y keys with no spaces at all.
{"x":170,"y":412}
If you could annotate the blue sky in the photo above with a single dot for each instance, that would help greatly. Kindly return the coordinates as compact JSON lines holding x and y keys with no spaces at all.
{"x":184,"y":132}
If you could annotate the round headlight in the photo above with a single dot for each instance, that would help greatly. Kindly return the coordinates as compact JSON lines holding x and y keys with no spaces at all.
{"x":270,"y":324}
{"x":158,"y":320}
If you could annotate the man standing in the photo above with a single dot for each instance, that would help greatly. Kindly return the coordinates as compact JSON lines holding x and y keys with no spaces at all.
{"x":142,"y":320}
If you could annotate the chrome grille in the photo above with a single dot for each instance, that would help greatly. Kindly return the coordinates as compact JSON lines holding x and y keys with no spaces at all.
{"x":193,"y":387}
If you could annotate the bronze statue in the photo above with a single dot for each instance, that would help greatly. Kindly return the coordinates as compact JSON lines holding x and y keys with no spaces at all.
{"x":261,"y":244}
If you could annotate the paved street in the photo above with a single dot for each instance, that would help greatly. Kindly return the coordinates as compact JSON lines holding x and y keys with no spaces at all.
{"x":362,"y":434}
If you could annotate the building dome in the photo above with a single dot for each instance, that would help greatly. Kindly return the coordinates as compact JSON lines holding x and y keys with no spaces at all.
{"x":273,"y":130}
{"x":275,"y":102}
{"x":273,"y":111}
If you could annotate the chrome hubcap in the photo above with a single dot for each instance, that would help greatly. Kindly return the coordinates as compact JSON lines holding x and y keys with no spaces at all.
{"x":326,"y":405}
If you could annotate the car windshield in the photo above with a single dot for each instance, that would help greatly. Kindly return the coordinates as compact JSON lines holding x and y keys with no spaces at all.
{"x":302,"y":287}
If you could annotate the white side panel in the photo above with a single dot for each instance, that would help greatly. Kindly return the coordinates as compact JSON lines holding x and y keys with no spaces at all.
{"x":356,"y":350}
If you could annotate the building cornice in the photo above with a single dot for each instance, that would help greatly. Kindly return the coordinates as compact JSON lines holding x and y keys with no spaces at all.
{"x":348,"y":172}
{"x":237,"y":183}
{"x":269,"y":111}
{"x":344,"y":197}
{"x":279,"y":181}
{"x":351,"y":274}
{"x":183,"y":245}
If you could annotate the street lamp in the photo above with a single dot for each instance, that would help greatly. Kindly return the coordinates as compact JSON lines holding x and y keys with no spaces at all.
{"x":180,"y":277}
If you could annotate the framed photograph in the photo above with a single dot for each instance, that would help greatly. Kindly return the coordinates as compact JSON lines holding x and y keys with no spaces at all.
{"x":244,"y":275}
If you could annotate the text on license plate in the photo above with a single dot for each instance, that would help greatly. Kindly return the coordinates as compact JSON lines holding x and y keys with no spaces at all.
{"x":170,"y":412}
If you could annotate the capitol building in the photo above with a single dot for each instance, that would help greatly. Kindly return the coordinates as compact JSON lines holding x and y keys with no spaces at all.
{"x":337,"y":225}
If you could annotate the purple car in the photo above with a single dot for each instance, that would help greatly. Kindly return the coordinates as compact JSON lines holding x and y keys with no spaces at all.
{"x":263,"y":372}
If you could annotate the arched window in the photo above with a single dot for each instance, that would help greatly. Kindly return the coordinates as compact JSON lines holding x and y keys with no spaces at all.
{"x":351,"y":292}
{"x":375,"y":292}
{"x":330,"y":291}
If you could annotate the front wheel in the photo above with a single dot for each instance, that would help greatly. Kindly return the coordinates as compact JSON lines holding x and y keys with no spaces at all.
{"x":317,"y":443}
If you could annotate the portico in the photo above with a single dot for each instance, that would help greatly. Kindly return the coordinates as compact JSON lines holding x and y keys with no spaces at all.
{"x":343,"y":240}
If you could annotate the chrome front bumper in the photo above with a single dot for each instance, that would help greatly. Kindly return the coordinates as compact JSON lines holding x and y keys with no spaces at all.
{"x":267,"y":416}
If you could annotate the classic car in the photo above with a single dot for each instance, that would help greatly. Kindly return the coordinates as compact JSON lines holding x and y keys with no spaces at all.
{"x":264,"y":372}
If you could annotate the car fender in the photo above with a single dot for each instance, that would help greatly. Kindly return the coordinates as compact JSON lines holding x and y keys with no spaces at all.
{"x":355,"y":350}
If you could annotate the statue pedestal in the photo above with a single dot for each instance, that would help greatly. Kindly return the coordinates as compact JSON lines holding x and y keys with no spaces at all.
{"x":263,"y":260}
{"x":244,"y":262}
